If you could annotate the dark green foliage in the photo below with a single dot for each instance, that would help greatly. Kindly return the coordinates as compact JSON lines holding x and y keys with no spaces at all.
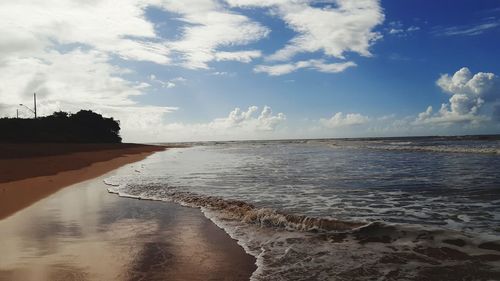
{"x":84,"y":126}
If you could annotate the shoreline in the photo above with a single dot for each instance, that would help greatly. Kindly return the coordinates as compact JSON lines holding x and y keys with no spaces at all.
{"x":31,"y":172}
{"x":70,"y":223}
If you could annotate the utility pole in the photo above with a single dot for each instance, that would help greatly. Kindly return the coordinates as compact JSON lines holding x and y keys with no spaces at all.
{"x":34,"y":106}
{"x":17,"y":113}
{"x":34,"y":101}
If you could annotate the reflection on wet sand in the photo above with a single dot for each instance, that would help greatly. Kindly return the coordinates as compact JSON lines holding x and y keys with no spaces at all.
{"x":84,"y":233}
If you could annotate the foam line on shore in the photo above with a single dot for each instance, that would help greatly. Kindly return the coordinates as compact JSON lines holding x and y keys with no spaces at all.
{"x":283,"y":242}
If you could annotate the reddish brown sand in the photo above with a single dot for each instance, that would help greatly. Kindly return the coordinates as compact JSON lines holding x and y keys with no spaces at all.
{"x":83,"y":233}
{"x":30,"y":172}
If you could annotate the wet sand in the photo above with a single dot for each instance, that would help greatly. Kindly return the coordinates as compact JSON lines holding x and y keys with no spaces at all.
{"x":30,"y":172}
{"x":84,"y":233}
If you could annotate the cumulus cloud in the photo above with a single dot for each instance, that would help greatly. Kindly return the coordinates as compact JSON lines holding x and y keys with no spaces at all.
{"x":238,"y":124}
{"x":470,"y":94}
{"x":267,"y":121}
{"x":319,"y":65}
{"x":340,"y":119}
{"x":248,"y":120}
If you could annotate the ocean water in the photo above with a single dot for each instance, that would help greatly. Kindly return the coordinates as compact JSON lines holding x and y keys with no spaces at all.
{"x":359,"y":209}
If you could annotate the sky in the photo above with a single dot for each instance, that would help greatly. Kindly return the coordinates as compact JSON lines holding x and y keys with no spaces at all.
{"x":193,"y":70}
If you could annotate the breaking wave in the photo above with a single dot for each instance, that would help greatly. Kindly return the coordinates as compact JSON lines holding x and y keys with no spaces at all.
{"x":438,"y":148}
{"x":298,"y":247}
{"x":239,"y":210}
{"x":473,"y":148}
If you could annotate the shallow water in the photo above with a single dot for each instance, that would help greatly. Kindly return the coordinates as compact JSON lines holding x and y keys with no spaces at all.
{"x":304,"y":208}
{"x":84,"y":233}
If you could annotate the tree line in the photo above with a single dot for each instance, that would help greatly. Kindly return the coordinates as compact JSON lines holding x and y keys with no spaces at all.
{"x":85,"y":126}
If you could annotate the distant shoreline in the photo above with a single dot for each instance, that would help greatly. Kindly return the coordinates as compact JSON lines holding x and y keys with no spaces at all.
{"x":488,"y":137}
{"x":30,"y":172}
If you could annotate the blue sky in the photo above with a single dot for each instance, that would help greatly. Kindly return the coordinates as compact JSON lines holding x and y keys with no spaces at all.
{"x":246,"y":69}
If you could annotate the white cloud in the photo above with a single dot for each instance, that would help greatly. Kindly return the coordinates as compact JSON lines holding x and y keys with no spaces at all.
{"x":467,"y":30}
{"x":235,"y":118}
{"x":267,"y":121}
{"x":482,"y":85}
{"x":169,"y":83}
{"x":29,"y":25}
{"x":344,"y":120}
{"x":386,"y":117}
{"x":179,"y":79}
{"x":397,"y":28}
{"x":422,"y":116}
{"x":63,"y":51}
{"x":395,"y":31}
{"x":276,"y":70}
{"x":413,"y":28}
{"x":70,"y":82}
{"x":209,"y":27}
{"x":33,"y":26}
{"x":241,"y":56}
{"x":319,"y":65}
{"x":333,"y":30}
{"x":347,"y":27}
{"x":142,"y":85}
{"x":86,"y":75}
{"x":469,"y":95}
{"x":223,"y":73}
{"x":238,"y":124}
{"x":247,"y":120}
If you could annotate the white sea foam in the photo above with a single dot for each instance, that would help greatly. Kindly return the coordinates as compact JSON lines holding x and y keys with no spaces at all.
{"x":304,"y":211}
{"x":294,"y":247}
{"x":439,"y":148}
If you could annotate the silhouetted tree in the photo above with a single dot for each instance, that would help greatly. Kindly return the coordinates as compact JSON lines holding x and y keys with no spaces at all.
{"x":60,"y":114}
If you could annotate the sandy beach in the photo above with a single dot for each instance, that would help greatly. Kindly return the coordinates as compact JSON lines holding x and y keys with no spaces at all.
{"x":82,"y":232}
{"x":30,"y":172}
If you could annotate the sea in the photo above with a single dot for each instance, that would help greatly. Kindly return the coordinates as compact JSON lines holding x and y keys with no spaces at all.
{"x":415,"y":208}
